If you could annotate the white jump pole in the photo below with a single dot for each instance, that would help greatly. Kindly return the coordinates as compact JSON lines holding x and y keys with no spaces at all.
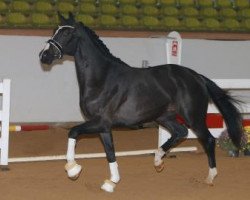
{"x":93,"y":155}
{"x":4,"y":118}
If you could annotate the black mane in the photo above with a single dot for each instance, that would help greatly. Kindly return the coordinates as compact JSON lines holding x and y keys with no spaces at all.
{"x":99,"y":43}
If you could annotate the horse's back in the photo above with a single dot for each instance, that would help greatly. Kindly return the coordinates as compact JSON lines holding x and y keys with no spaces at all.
{"x":145,"y":93}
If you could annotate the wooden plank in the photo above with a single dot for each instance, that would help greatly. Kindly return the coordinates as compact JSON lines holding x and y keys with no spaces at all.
{"x":136,"y":34}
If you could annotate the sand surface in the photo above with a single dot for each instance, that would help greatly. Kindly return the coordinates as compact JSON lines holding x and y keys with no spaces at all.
{"x":183,"y":177}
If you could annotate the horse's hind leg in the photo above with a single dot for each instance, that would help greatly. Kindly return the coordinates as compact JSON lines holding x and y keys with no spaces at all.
{"x":177,"y":131}
{"x":208,"y":143}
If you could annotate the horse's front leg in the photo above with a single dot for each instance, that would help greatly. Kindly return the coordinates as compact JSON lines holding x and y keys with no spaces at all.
{"x":93,"y":126}
{"x":89,"y":127}
{"x":110,"y":184}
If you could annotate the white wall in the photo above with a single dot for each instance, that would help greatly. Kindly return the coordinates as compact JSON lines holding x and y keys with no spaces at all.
{"x":52,"y":95}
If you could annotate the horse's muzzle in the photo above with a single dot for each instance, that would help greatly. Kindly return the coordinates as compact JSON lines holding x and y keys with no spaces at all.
{"x":46,"y":57}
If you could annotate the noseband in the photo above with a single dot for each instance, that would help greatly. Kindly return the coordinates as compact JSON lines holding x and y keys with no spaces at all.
{"x":57,"y":46}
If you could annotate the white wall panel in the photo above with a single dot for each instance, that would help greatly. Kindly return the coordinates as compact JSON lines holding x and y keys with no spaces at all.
{"x":52,"y":95}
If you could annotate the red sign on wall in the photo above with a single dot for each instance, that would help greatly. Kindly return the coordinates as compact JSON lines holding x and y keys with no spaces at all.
{"x":174,"y":50}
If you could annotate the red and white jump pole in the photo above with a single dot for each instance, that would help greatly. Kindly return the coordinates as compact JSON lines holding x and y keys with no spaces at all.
{"x":27,"y":127}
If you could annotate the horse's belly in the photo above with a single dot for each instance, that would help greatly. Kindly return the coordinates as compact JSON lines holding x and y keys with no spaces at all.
{"x":136,"y":113}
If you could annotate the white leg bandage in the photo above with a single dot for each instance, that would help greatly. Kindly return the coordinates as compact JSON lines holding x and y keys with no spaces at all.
{"x":212,"y":173}
{"x":109,"y":185}
{"x":72,"y":168}
{"x":158,"y":162}
{"x":114,"y":172}
{"x":71,"y":150}
{"x":159,"y":153}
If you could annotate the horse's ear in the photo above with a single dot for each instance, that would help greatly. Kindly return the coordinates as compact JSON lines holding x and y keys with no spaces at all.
{"x":71,"y":19}
{"x":78,"y":27}
{"x":62,"y":20}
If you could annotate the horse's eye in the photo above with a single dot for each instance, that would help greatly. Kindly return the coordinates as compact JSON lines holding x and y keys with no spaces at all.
{"x":66,"y":33}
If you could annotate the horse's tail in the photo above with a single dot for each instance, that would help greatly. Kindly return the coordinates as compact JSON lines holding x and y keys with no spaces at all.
{"x":226,"y":105}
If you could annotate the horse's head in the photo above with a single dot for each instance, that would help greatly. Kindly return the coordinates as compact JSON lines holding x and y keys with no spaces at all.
{"x":63,"y":41}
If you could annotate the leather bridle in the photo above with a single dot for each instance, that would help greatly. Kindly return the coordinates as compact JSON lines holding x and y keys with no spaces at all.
{"x":56,"y":44}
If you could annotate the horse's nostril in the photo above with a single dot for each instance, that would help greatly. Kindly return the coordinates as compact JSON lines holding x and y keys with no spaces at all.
{"x":44,"y":55}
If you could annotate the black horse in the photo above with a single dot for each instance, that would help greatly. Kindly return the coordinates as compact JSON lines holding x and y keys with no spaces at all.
{"x":114,"y":94}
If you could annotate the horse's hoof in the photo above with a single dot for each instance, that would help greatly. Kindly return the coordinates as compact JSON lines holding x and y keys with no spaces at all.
{"x":108,"y":186}
{"x":211,"y":175}
{"x":159,"y":167}
{"x":209,"y":182}
{"x":73,"y":170}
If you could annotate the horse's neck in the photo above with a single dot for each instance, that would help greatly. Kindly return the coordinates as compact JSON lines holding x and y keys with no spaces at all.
{"x":91,"y":66}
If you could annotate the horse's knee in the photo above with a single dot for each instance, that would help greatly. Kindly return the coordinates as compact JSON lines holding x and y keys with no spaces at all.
{"x":182,"y":131}
{"x":107,"y":141}
{"x":73,"y":133}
